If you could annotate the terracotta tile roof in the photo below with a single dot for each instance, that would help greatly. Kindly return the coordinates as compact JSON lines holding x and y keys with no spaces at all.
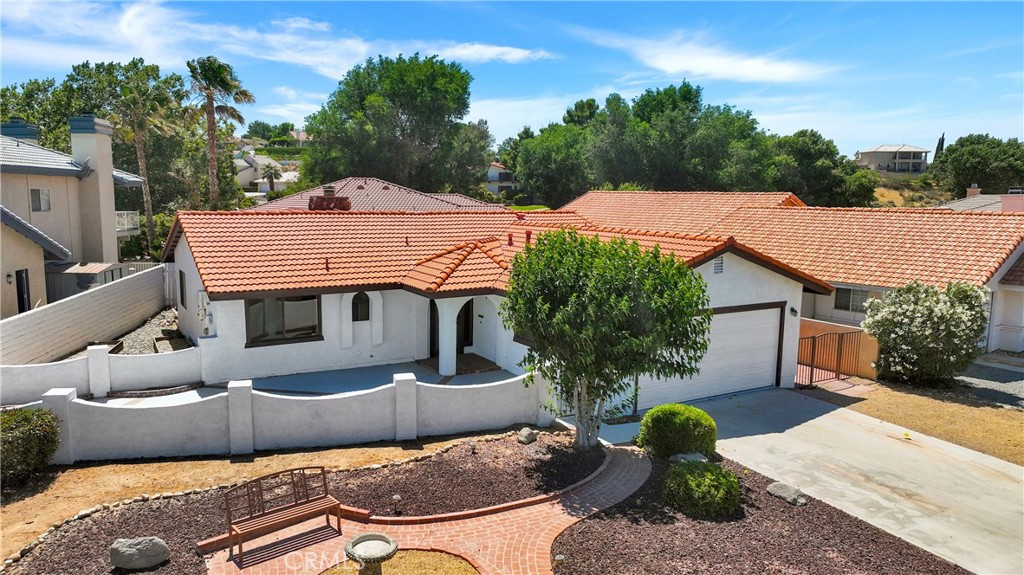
{"x":880,"y":247}
{"x":670,"y":211}
{"x":375,"y":195}
{"x":254,"y":252}
{"x":1015,"y":275}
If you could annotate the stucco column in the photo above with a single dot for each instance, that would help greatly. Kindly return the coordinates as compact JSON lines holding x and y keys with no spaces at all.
{"x":240,"y":430}
{"x":98,"y":357}
{"x":406,"y":410}
{"x":58,"y":400}
{"x":447,"y":347}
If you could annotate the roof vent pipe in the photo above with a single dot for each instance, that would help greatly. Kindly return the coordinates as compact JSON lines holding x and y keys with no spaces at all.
{"x":510,"y":239}
{"x":528,"y":234}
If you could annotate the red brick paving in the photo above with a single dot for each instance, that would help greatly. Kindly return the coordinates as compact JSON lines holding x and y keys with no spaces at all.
{"x":516,"y":542}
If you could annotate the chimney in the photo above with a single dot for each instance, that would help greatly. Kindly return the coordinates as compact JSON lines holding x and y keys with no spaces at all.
{"x":1011,"y":203}
{"x":528,"y":234}
{"x":20,"y":130}
{"x":328,"y":190}
{"x":974,"y":190}
{"x":91,"y":149}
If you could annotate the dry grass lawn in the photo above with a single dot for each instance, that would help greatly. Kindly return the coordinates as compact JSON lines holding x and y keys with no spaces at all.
{"x":413,"y":563}
{"x":944,"y":414}
{"x":62,"y":494}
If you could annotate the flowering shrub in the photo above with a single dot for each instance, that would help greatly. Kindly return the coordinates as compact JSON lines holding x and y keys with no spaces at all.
{"x":927,"y":335}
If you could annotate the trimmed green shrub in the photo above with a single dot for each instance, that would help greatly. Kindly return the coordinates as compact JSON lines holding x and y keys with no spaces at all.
{"x":702,"y":490}
{"x":29,"y":438}
{"x":676,"y":428}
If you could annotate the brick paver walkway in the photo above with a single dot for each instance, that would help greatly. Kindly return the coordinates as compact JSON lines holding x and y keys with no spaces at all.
{"x":516,"y":542}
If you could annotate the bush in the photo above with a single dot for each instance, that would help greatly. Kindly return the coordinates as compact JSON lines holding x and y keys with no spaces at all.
{"x":702,"y":490}
{"x":676,"y":428}
{"x":926,"y":335}
{"x":30,"y":438}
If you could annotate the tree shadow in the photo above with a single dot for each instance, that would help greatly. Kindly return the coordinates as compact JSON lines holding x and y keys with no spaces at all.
{"x":37,"y":483}
{"x":554,"y":467}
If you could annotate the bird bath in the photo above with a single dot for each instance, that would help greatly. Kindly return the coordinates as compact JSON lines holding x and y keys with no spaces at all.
{"x":370,"y":550}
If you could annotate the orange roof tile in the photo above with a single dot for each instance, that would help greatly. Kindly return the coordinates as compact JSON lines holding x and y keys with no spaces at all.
{"x":373,"y":194}
{"x":880,"y":247}
{"x":670,"y":211}
{"x":1015,"y":275}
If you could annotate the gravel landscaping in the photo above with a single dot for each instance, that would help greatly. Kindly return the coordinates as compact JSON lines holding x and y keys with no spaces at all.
{"x":769,"y":536}
{"x":139,"y":341}
{"x":462,"y":478}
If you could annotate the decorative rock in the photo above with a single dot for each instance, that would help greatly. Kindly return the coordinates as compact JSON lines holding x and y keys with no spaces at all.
{"x":168,"y":495}
{"x":788,"y":493}
{"x":527,"y":436}
{"x":683,"y":457}
{"x":139,"y":553}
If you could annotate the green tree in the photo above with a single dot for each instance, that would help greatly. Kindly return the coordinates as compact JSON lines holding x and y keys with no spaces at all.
{"x":581,"y":113}
{"x":599,"y":313}
{"x":217,"y":87}
{"x":809,"y":165}
{"x":272,"y":173}
{"x":994,"y":164}
{"x":395,"y":119}
{"x":282,"y":130}
{"x":927,"y":335}
{"x":553,"y":165}
{"x":468,"y":157}
{"x":858,"y":189}
{"x":614,"y":148}
{"x":259,"y":129}
{"x":139,"y":110}
{"x":508,"y":150}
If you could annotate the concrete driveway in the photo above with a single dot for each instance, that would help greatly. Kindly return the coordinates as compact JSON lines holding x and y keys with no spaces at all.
{"x":959,"y":504}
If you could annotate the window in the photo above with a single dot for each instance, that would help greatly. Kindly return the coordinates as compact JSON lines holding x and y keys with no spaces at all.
{"x":181,"y":289}
{"x":40,"y":199}
{"x":282,"y":320}
{"x":361,"y":307}
{"x":851,"y":299}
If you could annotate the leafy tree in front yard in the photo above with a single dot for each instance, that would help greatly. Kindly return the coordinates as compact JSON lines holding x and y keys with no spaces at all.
{"x":599,"y":313}
{"x":927,"y":335}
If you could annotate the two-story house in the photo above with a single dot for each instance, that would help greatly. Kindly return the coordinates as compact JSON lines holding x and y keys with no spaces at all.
{"x":893,"y":158}
{"x":500,"y":180}
{"x":67,"y":199}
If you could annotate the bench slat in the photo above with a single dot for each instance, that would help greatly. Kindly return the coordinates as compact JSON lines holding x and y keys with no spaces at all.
{"x":284,"y":515}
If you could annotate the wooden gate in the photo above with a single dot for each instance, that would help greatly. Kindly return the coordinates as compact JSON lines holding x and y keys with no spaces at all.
{"x":827,"y":356}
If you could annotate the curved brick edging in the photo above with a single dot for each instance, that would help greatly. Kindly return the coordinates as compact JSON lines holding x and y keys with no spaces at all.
{"x":500,"y":508}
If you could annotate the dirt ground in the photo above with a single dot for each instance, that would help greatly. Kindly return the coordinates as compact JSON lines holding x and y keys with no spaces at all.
{"x":948,"y":415}
{"x":25,"y":515}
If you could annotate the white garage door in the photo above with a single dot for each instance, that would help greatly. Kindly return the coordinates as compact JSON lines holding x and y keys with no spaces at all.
{"x":742,"y":352}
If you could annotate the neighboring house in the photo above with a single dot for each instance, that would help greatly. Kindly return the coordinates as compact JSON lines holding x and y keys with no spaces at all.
{"x":68,"y":198}
{"x":861,"y":251}
{"x":375,"y":195}
{"x":23,"y":252}
{"x":287,"y":178}
{"x":249,"y":166}
{"x":975,"y":201}
{"x":894,"y":158}
{"x":272,"y":293}
{"x":500,"y":180}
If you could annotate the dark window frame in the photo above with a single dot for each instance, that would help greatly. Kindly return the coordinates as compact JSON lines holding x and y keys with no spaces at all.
{"x":181,"y":289}
{"x":263,"y":339}
{"x":361,"y":307}
{"x":845,"y":299}
{"x":36,"y":196}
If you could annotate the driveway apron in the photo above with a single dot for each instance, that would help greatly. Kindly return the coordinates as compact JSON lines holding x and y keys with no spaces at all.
{"x":959,"y":504}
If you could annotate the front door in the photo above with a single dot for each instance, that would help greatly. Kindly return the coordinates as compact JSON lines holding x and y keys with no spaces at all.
{"x":24,"y":297}
{"x":464,"y":327}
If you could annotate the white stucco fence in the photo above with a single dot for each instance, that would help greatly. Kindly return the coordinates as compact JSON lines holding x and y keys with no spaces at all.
{"x":134,"y":372}
{"x":26,"y":383}
{"x":64,"y":327}
{"x":242,"y":420}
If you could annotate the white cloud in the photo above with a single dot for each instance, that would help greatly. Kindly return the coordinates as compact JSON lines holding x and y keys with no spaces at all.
{"x":477,"y":53}
{"x":696,"y":55}
{"x":296,"y":23}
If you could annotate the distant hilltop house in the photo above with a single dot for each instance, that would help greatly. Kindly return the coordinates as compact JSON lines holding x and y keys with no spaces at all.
{"x":500,"y":179}
{"x":61,"y":231}
{"x":894,"y":158}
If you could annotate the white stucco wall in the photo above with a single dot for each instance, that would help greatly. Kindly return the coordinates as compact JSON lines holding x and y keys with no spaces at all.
{"x":63,"y":222}
{"x":189,"y":321}
{"x":135,"y":372}
{"x":446,"y":409}
{"x":120,"y":432}
{"x":24,"y":383}
{"x":405,"y":338}
{"x":283,"y":421}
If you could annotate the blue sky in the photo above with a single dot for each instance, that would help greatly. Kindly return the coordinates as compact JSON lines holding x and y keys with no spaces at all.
{"x":862,"y":74}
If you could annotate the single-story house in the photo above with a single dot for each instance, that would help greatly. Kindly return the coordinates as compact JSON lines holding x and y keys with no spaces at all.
{"x":861,"y":251}
{"x":273,"y":293}
{"x":376,"y":195}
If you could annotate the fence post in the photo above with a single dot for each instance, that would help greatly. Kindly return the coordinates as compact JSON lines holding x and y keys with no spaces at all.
{"x":839,"y":356}
{"x":814,"y":359}
{"x":99,"y":370}
{"x":58,"y":400}
{"x":406,"y":410}
{"x":240,"y":431}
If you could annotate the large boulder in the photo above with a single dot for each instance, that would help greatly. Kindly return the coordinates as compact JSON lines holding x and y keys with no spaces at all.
{"x":139,"y":553}
{"x":787,"y":493}
{"x":527,"y":436}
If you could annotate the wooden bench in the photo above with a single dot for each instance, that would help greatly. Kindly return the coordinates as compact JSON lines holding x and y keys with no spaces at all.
{"x":278,"y":500}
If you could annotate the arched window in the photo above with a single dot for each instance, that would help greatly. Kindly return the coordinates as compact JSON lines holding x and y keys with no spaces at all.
{"x":361,"y":307}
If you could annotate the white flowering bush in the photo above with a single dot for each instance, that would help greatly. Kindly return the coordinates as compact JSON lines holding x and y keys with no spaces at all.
{"x":927,"y":335}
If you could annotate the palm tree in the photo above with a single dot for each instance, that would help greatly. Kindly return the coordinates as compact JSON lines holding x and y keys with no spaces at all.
{"x":217,"y":86}
{"x":138,"y":111}
{"x":272,"y":173}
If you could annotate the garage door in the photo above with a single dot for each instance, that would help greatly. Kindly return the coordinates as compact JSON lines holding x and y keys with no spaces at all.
{"x":742,"y":352}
